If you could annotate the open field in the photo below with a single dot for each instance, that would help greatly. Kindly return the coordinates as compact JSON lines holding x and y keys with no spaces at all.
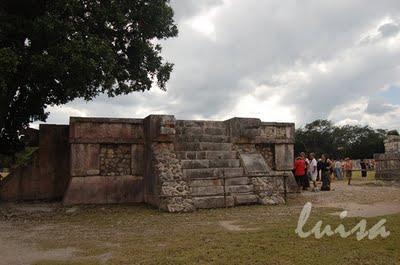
{"x":51,"y":234}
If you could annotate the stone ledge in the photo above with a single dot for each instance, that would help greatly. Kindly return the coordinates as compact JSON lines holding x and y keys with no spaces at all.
{"x":105,"y":120}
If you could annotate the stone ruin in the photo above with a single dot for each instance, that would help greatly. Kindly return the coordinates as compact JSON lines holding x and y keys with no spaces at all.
{"x":175,"y":165}
{"x":388,"y":164}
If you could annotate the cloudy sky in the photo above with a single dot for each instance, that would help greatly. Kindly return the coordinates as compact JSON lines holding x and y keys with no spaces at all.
{"x":286,"y":60}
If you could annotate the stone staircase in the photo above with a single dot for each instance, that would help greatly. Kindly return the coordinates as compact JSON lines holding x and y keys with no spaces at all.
{"x":212,"y":167}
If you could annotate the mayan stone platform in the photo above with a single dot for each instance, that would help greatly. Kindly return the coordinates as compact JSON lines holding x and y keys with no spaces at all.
{"x":179,"y":165}
{"x":175,"y":165}
{"x":388,"y":164}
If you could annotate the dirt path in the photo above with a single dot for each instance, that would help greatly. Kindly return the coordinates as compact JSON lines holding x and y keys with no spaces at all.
{"x":363,"y":199}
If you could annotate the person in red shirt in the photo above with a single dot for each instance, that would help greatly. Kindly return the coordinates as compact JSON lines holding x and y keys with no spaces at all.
{"x":300,"y":171}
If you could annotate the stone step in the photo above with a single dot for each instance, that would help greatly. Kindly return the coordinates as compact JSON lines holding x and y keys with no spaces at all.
{"x":240,"y":189}
{"x":201,"y":173}
{"x":195,"y":163}
{"x":203,"y":146}
{"x":224,"y":163}
{"x":213,"y":173}
{"x":245,"y":199}
{"x":207,"y":190}
{"x":202,"y":138}
{"x":213,"y":202}
{"x":237,"y":181}
{"x":233,"y":172}
{"x":206,"y":163}
{"x":206,"y":155}
{"x":206,"y":182}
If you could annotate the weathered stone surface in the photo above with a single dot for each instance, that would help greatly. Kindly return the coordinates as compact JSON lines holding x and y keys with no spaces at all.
{"x":269,"y":189}
{"x":211,"y":155}
{"x":240,"y":189}
{"x":233,"y":172}
{"x":392,"y":144}
{"x":284,"y":156}
{"x":84,"y":157}
{"x":215,"y":131}
{"x":254,"y":164}
{"x":247,"y":128}
{"x":268,"y":184}
{"x":198,"y":163}
{"x":237,"y":181}
{"x":218,"y":155}
{"x":105,"y":130}
{"x":167,"y":170}
{"x":201,"y":173}
{"x":244,"y":199}
{"x":209,"y":190}
{"x":93,"y":172}
{"x":206,"y":182}
{"x":213,"y":202}
{"x":202,"y":124}
{"x":225,"y":163}
{"x":387,"y":165}
{"x":268,"y":153}
{"x":165,"y":163}
{"x":245,"y":148}
{"x":177,"y":204}
{"x":137,"y":159}
{"x":215,"y":146}
{"x":103,"y":189}
{"x":174,"y":188}
{"x":115,"y":159}
{"x":203,"y":138}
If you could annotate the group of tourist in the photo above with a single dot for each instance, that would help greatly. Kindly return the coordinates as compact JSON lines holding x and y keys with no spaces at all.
{"x":307,"y":170}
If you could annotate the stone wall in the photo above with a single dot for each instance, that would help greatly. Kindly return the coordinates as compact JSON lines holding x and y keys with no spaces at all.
{"x":115,"y":159}
{"x":46,"y":176}
{"x":107,"y":161}
{"x":392,"y":144}
{"x":387,"y":165}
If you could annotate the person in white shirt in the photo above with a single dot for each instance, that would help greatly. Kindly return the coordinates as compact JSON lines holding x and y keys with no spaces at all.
{"x":338,"y":170}
{"x":312,"y":170}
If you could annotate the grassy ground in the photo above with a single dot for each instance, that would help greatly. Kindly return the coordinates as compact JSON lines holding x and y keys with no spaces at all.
{"x":142,"y":235}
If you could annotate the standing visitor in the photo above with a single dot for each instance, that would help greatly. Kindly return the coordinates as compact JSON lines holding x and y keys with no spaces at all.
{"x":306,"y":182}
{"x":313,"y":170}
{"x":300,"y":171}
{"x":325,"y":172}
{"x":338,"y":170}
{"x":363,"y":169}
{"x":348,"y":169}
{"x":331,"y":173}
{"x":319,"y":165}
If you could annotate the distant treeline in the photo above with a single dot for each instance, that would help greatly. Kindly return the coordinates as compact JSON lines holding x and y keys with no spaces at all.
{"x":354,"y":141}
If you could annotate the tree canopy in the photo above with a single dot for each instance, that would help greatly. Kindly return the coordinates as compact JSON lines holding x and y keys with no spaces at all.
{"x":52,"y":52}
{"x":322,"y":137}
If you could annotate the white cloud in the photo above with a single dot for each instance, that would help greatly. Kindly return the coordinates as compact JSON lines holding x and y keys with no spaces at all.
{"x":276,"y":60}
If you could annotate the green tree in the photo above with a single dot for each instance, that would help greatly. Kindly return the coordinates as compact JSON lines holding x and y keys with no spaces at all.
{"x":357,"y":142}
{"x":52,"y":52}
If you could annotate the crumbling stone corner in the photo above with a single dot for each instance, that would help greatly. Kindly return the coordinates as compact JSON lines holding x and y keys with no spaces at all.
{"x":165,"y":184}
